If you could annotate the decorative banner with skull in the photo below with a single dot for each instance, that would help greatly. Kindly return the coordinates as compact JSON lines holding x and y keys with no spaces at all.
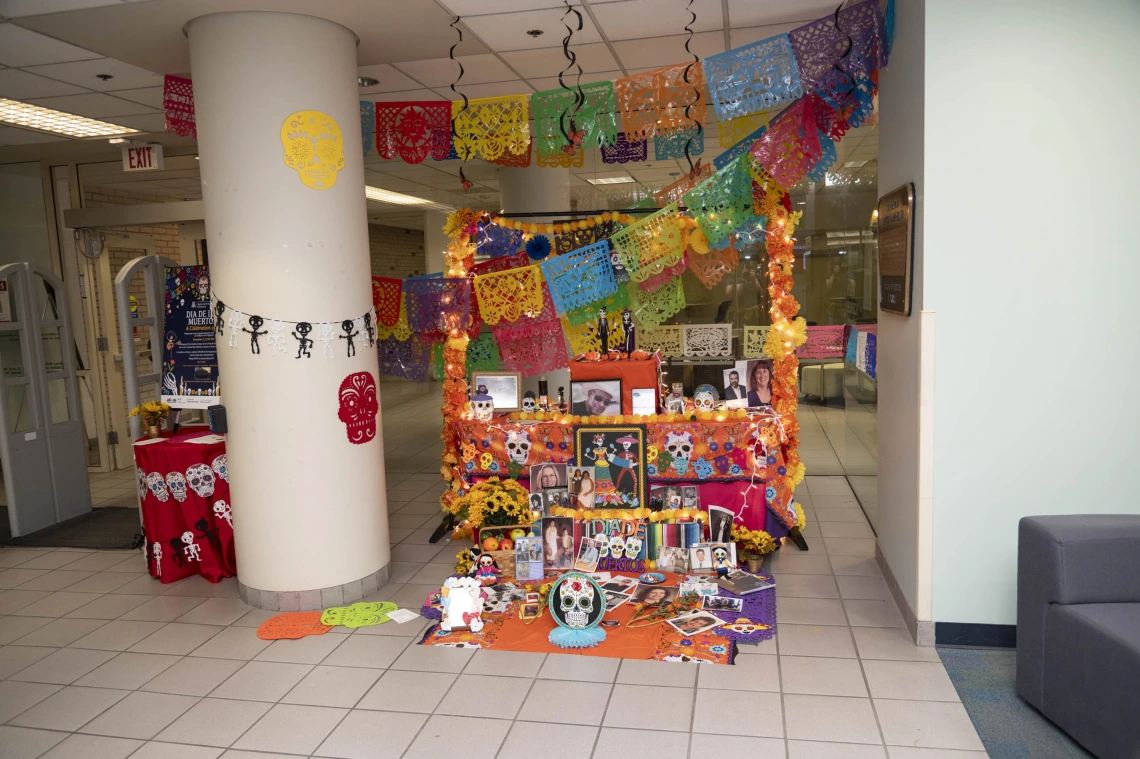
{"x":577,"y":604}
{"x":314,"y":148}
{"x":359,"y":405}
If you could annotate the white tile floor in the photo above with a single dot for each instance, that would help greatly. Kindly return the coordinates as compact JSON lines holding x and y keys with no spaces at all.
{"x":99,"y":660}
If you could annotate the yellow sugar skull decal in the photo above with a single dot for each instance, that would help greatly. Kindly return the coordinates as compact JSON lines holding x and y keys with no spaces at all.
{"x":313,"y":147}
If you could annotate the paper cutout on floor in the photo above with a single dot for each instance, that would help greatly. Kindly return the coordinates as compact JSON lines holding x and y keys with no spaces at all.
{"x":362,"y":614}
{"x":292,"y":625}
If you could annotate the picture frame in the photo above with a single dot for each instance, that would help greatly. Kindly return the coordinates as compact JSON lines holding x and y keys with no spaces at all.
{"x":547,"y":475}
{"x":700,"y":558}
{"x":739,"y":390}
{"x":720,"y":525}
{"x":581,"y":484}
{"x":617,"y":454}
{"x":644,"y":400}
{"x":505,"y":388}
{"x":597,"y":397}
{"x":558,"y":549}
{"x":672,"y":559}
{"x":759,"y":392}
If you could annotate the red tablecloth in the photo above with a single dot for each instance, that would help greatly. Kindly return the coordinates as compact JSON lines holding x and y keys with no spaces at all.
{"x":186,"y":511}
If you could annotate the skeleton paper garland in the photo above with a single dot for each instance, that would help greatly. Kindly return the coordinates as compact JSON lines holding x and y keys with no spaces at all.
{"x":577,"y":604}
{"x":275,"y":334}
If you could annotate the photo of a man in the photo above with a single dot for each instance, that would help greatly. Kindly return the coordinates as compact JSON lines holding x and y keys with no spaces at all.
{"x":733,"y":390}
{"x":596,"y":398}
{"x":700,"y":557}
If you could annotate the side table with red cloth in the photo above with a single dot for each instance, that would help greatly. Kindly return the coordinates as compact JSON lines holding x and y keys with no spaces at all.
{"x":186,"y":512}
{"x":633,"y":374}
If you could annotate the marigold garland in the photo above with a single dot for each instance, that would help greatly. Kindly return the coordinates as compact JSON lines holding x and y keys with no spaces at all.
{"x":801,"y":518}
{"x":460,"y":227}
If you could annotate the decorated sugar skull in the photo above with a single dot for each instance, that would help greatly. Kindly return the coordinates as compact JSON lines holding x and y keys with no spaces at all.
{"x":617,"y":546}
{"x":140,"y":476}
{"x":219,"y":467}
{"x":358,"y":407}
{"x":314,"y":148}
{"x":679,"y":445}
{"x":157,"y":485}
{"x":705,"y":397}
{"x":201,"y":480}
{"x":577,"y":605}
{"x":483,"y":406}
{"x":603,"y":547}
{"x":518,"y":446}
{"x":745,"y":626}
{"x":528,"y":403}
{"x":177,"y":484}
{"x":632,"y":546}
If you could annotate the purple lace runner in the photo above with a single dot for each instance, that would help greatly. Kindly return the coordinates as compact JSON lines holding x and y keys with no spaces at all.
{"x":759,"y":608}
{"x":624,"y":151}
{"x":819,"y":46}
{"x":438,"y":304}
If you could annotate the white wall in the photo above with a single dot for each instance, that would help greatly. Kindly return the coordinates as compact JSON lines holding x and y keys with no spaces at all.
{"x":1031,"y":263}
{"x":23,"y":220}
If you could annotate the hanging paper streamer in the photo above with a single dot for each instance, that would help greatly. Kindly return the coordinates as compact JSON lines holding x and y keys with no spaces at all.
{"x":821,"y":45}
{"x":528,"y":325}
{"x":672,"y":144}
{"x":624,"y":151}
{"x":657,"y":281}
{"x":731,"y":132}
{"x":413,"y":129}
{"x":483,"y":354}
{"x":790,"y":147}
{"x":841,"y":102}
{"x":827,"y":159}
{"x":654,"y":102}
{"x":723,"y":202}
{"x":410,"y":358}
{"x":753,"y":78}
{"x":386,"y":294}
{"x":651,"y":245}
{"x":581,"y":277}
{"x":674,"y":192}
{"x":494,"y":241}
{"x":501,"y":263}
{"x":613,"y":304}
{"x":367,"y":124}
{"x":713,"y":266}
{"x":544,"y":352}
{"x":520,"y":161}
{"x":596,"y":118}
{"x":509,"y":294}
{"x":491,"y":127}
{"x":438,"y":304}
{"x":178,"y":105}
{"x":654,"y":309}
{"x":400,"y":331}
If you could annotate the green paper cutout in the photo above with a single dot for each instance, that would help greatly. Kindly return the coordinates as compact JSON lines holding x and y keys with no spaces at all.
{"x":597,"y":117}
{"x":363,"y":614}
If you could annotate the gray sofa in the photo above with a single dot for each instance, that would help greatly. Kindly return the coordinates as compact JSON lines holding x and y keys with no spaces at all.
{"x":1078,"y":627}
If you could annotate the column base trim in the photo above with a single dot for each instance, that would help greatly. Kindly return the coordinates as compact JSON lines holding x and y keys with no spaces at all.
{"x":922,"y":633}
{"x":312,"y":600}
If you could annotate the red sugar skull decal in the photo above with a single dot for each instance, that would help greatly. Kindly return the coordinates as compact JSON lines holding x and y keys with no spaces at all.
{"x":358,"y":407}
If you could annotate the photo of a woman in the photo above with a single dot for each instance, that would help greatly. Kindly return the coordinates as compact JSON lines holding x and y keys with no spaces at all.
{"x":546,"y":476}
{"x":586,"y":490}
{"x":760,"y":383}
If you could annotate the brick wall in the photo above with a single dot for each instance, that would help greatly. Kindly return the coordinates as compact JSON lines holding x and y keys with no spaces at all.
{"x":397,"y":253}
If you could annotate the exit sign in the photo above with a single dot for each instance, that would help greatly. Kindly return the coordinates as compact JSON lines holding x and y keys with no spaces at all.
{"x":142,"y":157}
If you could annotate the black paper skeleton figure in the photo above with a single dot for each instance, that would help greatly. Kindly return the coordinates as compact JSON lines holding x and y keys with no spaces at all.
{"x":176,"y":553}
{"x":304,"y":328}
{"x":603,"y":330}
{"x":255,"y":322}
{"x":219,"y":309}
{"x":210,"y":535}
{"x":630,"y":343}
{"x":368,"y":326}
{"x":349,"y":333}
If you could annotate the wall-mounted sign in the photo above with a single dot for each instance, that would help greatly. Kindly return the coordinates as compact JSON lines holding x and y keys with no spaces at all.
{"x":896,"y":249}
{"x":142,"y":157}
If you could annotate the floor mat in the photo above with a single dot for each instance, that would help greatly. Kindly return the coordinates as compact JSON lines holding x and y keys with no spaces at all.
{"x":1009,"y":727}
{"x":110,"y":527}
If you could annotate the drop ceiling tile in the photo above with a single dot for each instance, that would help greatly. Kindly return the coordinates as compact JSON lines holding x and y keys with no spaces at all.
{"x":154,"y":122}
{"x":748,"y":35}
{"x":547,"y":62}
{"x":666,"y":51}
{"x":20,"y":85}
{"x":743,"y":13}
{"x":14,"y":136}
{"x":551,"y":83}
{"x":84,"y":73}
{"x":151,"y":96}
{"x":440,"y":72}
{"x":467,"y":8}
{"x":492,"y":90}
{"x":508,"y":31}
{"x":390,"y":80}
{"x":94,"y":105}
{"x":23,"y":47}
{"x":19,"y":8}
{"x":640,"y":19}
{"x":387,"y":97}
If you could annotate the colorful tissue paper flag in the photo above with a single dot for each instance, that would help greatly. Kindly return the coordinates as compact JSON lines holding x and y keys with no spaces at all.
{"x":752,"y":78}
{"x":580,"y":277}
{"x":740,"y":148}
{"x":655,"y":308}
{"x":723,"y":202}
{"x":790,"y":147}
{"x":650,"y":245}
{"x":543,"y":351}
{"x":178,"y":106}
{"x":413,"y":129}
{"x":673,"y":144}
{"x":367,"y":125}
{"x":509,"y":294}
{"x":732,"y":131}
{"x":625,"y":150}
{"x":857,"y":45}
{"x":491,"y":126}
{"x":654,"y":102}
{"x":438,"y":304}
{"x":495,"y":241}
{"x":386,"y":293}
{"x":596,"y":117}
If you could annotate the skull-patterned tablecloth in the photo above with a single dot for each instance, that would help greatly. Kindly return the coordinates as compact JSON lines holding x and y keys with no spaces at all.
{"x":184,"y":490}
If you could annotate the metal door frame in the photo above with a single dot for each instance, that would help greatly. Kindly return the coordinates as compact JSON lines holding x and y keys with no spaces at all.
{"x":154,"y":271}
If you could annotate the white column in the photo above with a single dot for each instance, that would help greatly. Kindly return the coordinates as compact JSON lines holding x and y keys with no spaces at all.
{"x":435,"y":241}
{"x":310,"y":510}
{"x":531,"y":190}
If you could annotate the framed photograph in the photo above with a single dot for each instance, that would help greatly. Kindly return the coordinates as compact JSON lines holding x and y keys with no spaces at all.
{"x":528,"y":559}
{"x":596,"y":397}
{"x":672,"y":559}
{"x":735,"y":387}
{"x":620,"y":584}
{"x":555,"y":498}
{"x":543,"y":476}
{"x":700,"y":558}
{"x":758,"y":381}
{"x":614,"y":599}
{"x":690,"y":496}
{"x":722,"y":603}
{"x":694,"y":623}
{"x":529,"y":611}
{"x":654,"y":595}
{"x":589,"y":552}
{"x":617,"y":455}
{"x":557,"y":542}
{"x":505,"y":388}
{"x":644,"y":400}
{"x":720,"y":525}
{"x":537,"y":504}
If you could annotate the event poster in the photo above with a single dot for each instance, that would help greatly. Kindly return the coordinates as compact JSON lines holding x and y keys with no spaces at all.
{"x":189,"y":354}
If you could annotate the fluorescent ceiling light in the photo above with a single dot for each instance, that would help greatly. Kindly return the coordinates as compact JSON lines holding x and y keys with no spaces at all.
{"x":612,"y":180}
{"x":377,"y":195}
{"x":47,"y":120}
